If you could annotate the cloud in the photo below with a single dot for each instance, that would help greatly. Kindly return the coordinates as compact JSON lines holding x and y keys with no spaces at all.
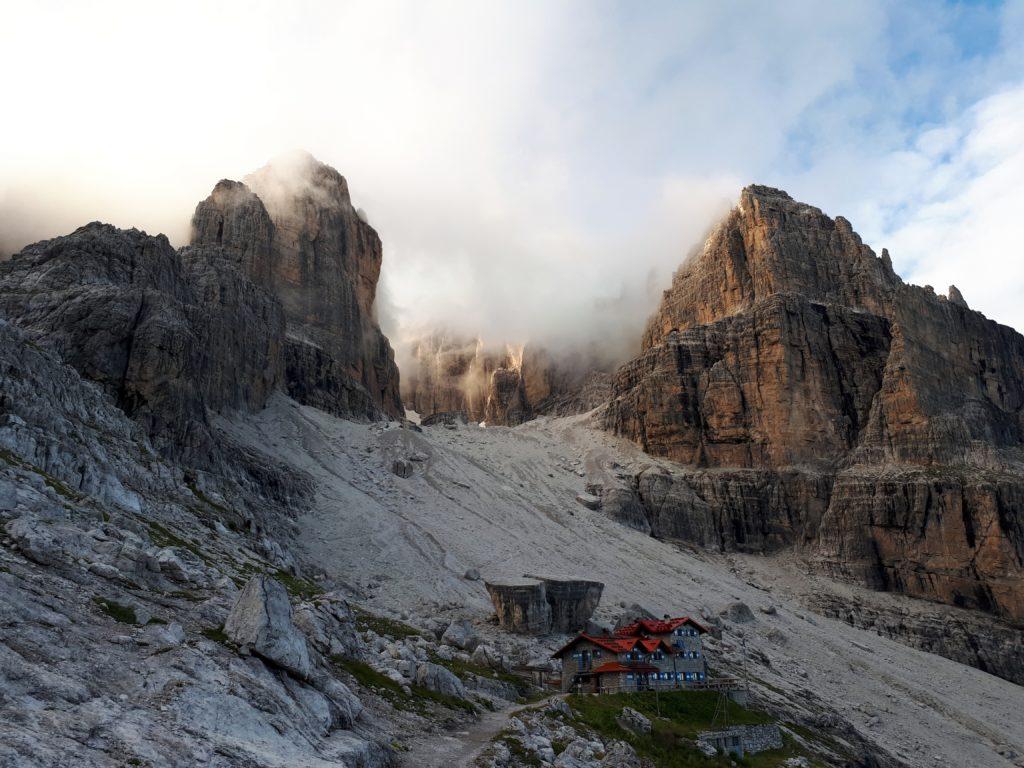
{"x":535,"y":170}
{"x":963,"y":225}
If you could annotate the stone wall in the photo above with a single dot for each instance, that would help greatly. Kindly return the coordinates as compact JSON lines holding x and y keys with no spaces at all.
{"x":751,"y":739}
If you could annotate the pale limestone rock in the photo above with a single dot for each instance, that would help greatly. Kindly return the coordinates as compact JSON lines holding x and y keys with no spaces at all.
{"x":261,"y":622}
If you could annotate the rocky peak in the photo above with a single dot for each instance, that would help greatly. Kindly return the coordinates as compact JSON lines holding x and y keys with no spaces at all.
{"x":786,"y":353}
{"x":300,"y":238}
{"x":770,"y":244}
{"x":234,"y":218}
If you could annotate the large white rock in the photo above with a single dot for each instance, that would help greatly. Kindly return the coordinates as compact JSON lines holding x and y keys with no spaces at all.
{"x":261,"y":621}
{"x":437,"y":678}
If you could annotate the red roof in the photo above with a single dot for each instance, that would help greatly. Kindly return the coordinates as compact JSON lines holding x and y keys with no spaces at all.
{"x":617,"y":644}
{"x":656,"y":626}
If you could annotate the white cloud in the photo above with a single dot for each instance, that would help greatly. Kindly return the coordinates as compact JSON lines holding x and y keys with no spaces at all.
{"x":529,"y":166}
{"x":963,"y":227}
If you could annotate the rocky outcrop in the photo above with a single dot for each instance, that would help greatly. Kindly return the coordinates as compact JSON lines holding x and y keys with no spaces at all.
{"x":261,"y":622}
{"x":454,"y":375}
{"x":295,"y":232}
{"x":502,"y":385}
{"x":167,"y":335}
{"x":964,"y":636}
{"x":817,"y":400}
{"x":115,"y":576}
{"x":541,"y":605}
{"x":257,"y":303}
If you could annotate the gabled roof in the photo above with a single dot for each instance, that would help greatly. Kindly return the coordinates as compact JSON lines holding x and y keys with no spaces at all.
{"x":657,"y":626}
{"x":615,"y":644}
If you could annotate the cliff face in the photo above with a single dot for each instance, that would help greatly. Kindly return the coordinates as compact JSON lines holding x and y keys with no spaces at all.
{"x":168,"y":335}
{"x":823,"y":402}
{"x":257,"y":303}
{"x":295,"y":232}
{"x":501,"y":386}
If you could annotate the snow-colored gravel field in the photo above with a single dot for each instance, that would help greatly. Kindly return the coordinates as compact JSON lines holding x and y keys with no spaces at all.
{"x":503,"y":501}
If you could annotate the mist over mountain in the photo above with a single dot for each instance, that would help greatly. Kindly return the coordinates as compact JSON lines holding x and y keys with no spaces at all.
{"x":391,"y":385}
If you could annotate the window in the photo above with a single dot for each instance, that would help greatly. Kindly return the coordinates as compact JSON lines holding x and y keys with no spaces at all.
{"x":629,"y":675}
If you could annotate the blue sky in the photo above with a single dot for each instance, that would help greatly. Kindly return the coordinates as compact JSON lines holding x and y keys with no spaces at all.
{"x":535,"y":169}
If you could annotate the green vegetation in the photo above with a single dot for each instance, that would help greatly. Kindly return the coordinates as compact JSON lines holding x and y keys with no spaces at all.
{"x":392,"y":692}
{"x":383,"y":626}
{"x":676,"y":719}
{"x":522,"y":755}
{"x":164,"y":537}
{"x":463,"y":668}
{"x":216,"y":634}
{"x":118,"y":612}
{"x":52,"y":482}
{"x":299,"y":588}
{"x":231,"y":519}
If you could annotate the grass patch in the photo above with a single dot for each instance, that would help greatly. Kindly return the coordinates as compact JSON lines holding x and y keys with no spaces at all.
{"x":61,"y":488}
{"x":117,"y":611}
{"x":297,"y":587}
{"x":383,"y":626}
{"x":522,"y":755}
{"x":164,"y":537}
{"x":231,"y":519}
{"x":462,"y":668}
{"x":216,"y":634}
{"x":392,"y":692}
{"x":823,"y":739}
{"x":676,"y":719}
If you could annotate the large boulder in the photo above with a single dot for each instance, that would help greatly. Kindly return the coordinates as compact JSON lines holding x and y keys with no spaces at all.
{"x":461,"y":634}
{"x":434,"y":677}
{"x":329,"y":626}
{"x":634,"y":721}
{"x":261,"y":622}
{"x":542,"y":605}
{"x":521,"y":605}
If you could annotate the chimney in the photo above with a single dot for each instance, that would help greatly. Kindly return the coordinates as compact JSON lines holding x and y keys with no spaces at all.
{"x":666,"y":617}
